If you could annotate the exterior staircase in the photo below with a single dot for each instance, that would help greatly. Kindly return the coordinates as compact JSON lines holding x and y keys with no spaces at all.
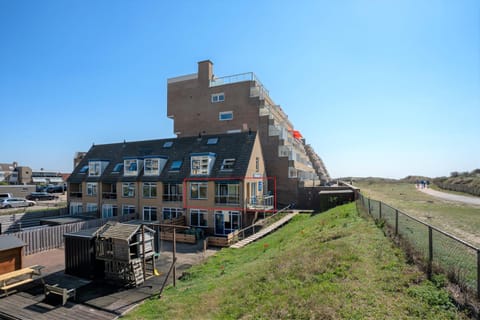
{"x":264,"y":231}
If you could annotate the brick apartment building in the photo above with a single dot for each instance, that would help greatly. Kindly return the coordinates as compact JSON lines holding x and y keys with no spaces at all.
{"x":201,"y":103}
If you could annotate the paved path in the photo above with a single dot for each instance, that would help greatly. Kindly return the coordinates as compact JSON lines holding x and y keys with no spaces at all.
{"x":452,"y":197}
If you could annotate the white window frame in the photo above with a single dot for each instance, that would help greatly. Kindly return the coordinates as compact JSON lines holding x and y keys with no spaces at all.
{"x":225,"y":113}
{"x":217,"y":97}
{"x":127,"y":163}
{"x":201,"y":164}
{"x":76,"y":208}
{"x":128,"y":209}
{"x":202,"y":223}
{"x":129,"y":187}
{"x":151,"y":188}
{"x":199,"y":187}
{"x":92,"y":189}
{"x":228,"y":164}
{"x":109,"y":210}
{"x":228,"y":217}
{"x":147,"y":213}
{"x":92,"y":207}
{"x":171,"y":213}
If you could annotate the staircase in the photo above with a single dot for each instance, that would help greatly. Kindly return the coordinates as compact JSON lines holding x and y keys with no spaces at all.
{"x":264,"y":231}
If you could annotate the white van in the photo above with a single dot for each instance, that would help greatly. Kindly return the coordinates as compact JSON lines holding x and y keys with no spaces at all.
{"x":5,"y":195}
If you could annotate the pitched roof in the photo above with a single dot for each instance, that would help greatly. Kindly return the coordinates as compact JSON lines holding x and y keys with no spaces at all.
{"x":10,"y":242}
{"x":236,"y":146}
{"x":121,"y":231}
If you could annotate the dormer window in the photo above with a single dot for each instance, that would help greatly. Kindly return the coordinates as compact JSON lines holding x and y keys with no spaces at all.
{"x":201,"y":163}
{"x":118,"y":168}
{"x":228,"y":164}
{"x":212,"y":141}
{"x":176,"y":165}
{"x":131,"y":167}
{"x":154,"y":165}
{"x":96,"y":167}
{"x":84,"y":169}
{"x":218,"y":97}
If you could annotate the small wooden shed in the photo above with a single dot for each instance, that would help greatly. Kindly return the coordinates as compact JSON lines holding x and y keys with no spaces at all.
{"x":11,"y":249}
{"x":80,"y":257}
{"x":127,"y":250}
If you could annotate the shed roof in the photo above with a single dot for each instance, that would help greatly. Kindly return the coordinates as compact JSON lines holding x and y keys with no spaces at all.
{"x":121,"y":231}
{"x":10,"y":242}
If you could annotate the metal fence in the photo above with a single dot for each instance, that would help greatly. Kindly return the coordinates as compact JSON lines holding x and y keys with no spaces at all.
{"x":47,"y":238}
{"x":435,"y":250}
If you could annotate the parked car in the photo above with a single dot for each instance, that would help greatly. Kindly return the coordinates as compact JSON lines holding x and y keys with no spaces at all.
{"x":4,"y":195}
{"x":37,"y":196}
{"x":55,"y":189}
{"x":16,"y":202}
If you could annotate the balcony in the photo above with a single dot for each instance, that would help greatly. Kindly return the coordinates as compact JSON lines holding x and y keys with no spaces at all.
{"x":76,"y":194}
{"x":229,"y":200}
{"x":109,"y":195}
{"x":172,"y":197}
{"x":260,"y":203}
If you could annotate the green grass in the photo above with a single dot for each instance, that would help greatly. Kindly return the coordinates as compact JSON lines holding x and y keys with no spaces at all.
{"x":336,"y":265}
{"x":458,"y":219}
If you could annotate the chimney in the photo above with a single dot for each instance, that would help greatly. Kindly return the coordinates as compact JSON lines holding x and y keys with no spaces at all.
{"x":205,"y":71}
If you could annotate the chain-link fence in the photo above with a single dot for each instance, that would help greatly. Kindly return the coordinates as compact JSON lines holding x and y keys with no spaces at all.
{"x":435,"y":250}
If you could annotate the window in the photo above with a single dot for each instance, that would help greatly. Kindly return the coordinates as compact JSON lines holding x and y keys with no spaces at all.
{"x":228,"y":164}
{"x":91,"y":207}
{"x":149,"y":190}
{"x":76,"y":208}
{"x":84,"y":169}
{"x":201,"y":164}
{"x":109,"y":210}
{"x":218,"y":97}
{"x":91,"y":189}
{"x":257,"y":164}
{"x":151,"y":167}
{"x":212,"y":141}
{"x":149,"y":213}
{"x":176,"y":165}
{"x":226,"y":115}
{"x":227,"y":221}
{"x":118,"y":167}
{"x":198,"y":218}
{"x":227,"y":193}
{"x":131,"y":167}
{"x":172,"y":192}
{"x":168,"y":144}
{"x":198,"y":190}
{"x":128,"y":209}
{"x":94,"y":168}
{"x":172,"y":213}
{"x":128,"y":189}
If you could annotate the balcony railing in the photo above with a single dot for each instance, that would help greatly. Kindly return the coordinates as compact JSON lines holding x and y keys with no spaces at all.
{"x":263,"y":202}
{"x":109,"y":195}
{"x":228,"y":199}
{"x":76,"y":194}
{"x":172,"y":197}
{"x":248,"y":76}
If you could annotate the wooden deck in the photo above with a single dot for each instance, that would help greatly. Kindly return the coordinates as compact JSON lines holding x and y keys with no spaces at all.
{"x":264,"y":231}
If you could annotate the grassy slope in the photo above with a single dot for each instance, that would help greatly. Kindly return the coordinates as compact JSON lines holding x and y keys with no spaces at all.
{"x":331,"y":266}
{"x":459,"y":219}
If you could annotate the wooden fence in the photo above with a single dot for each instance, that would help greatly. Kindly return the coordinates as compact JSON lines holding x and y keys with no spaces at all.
{"x":47,"y":238}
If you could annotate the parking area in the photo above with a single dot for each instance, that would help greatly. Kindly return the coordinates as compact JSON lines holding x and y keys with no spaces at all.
{"x":60,"y":201}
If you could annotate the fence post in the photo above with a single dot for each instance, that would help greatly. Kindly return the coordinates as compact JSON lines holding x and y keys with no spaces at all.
{"x":478,"y":274}
{"x":369,"y":210}
{"x":396,"y":222}
{"x":430,"y":253}
{"x":379,"y":210}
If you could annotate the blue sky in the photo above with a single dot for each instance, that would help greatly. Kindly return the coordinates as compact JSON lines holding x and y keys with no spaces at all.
{"x":378,"y":88}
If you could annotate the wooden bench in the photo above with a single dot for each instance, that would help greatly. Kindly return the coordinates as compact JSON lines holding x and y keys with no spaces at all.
{"x":63,"y":292}
{"x":16,"y":278}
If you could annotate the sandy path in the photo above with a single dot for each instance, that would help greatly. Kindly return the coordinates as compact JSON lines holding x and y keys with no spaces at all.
{"x":452,"y":197}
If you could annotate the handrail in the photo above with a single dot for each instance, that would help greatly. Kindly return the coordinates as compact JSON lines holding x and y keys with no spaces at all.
{"x":260,"y":222}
